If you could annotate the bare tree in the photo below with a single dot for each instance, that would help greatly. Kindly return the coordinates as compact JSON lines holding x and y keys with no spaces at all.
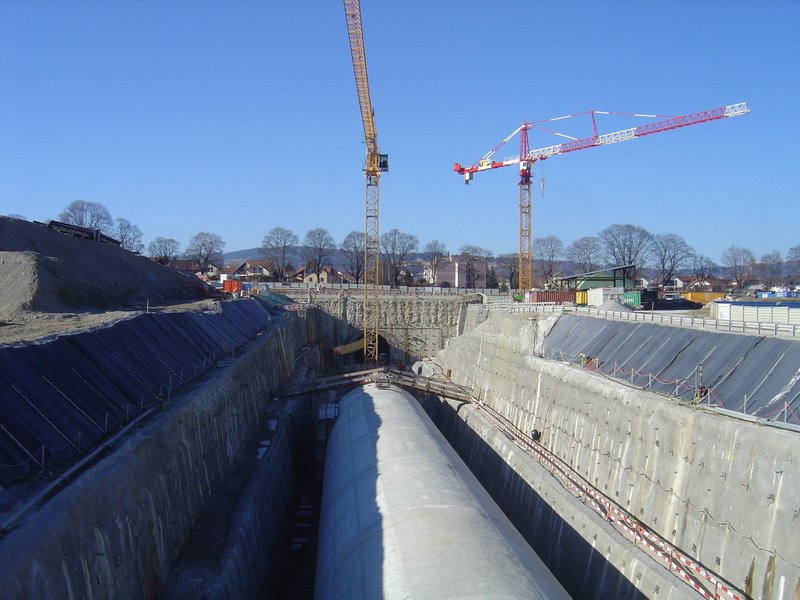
{"x":770,"y":269}
{"x":277,"y":246}
{"x":625,"y":244}
{"x":670,"y":253}
{"x":396,"y":248}
{"x":739,"y":263}
{"x":435,"y":253}
{"x":793,"y":264}
{"x":585,"y":252}
{"x":353,"y":252}
{"x":130,"y":235}
{"x":91,"y":215}
{"x":702,"y":266}
{"x":546,"y":252}
{"x":318,"y":247}
{"x":163,"y":250}
{"x":475,"y":260}
{"x":491,"y":279}
{"x":205,"y":249}
{"x":509,"y":264}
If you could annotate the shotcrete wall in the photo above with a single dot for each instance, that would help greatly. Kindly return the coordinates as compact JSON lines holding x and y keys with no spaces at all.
{"x":415,"y":327}
{"x":253,"y":562}
{"x":114,"y":531}
{"x":725,"y":490}
{"x":588,"y":557}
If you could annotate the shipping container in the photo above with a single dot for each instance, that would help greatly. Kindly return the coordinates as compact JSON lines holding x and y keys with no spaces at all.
{"x":649,"y":298}
{"x":632,"y":299}
{"x":702,"y":297}
{"x":598,"y":296}
{"x":582,"y":297}
{"x":556,"y":297}
{"x":231,"y":286}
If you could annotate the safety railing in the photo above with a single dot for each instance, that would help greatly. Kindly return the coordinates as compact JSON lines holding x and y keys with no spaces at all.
{"x":756,"y":328}
{"x":686,"y":389}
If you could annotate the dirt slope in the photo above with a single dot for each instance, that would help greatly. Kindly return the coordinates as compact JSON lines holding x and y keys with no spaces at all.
{"x":51,"y":282}
{"x":44,"y":270}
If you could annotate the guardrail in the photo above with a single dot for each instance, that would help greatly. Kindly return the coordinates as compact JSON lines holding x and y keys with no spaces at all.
{"x":776,"y":329}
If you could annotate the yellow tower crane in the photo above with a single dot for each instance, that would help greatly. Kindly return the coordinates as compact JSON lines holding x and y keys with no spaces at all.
{"x":376,"y":164}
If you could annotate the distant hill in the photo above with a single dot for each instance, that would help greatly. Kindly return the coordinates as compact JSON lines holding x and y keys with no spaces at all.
{"x":243,"y":254}
{"x":294,"y":257}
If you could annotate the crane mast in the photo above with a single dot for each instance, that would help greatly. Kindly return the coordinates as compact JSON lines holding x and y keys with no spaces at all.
{"x":527,"y":157}
{"x":376,"y":163}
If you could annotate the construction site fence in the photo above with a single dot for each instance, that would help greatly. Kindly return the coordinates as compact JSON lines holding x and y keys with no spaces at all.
{"x":295,"y":285}
{"x":753,"y":328}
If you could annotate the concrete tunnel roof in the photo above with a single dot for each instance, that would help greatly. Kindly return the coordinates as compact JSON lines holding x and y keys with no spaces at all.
{"x":403,"y":517}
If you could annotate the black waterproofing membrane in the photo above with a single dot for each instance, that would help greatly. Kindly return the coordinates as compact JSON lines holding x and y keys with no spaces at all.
{"x":756,"y":375}
{"x":61,"y":397}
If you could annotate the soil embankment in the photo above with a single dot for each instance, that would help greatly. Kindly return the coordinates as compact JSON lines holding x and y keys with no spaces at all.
{"x":51,"y":282}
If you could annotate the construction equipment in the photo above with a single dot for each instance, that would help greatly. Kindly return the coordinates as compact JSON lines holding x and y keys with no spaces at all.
{"x":376,"y":163}
{"x":527,"y":158}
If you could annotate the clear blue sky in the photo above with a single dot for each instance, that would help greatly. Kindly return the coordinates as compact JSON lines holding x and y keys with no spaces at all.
{"x":237,"y":116}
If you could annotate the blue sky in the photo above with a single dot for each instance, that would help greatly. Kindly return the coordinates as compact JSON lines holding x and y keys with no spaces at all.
{"x":235,"y":117}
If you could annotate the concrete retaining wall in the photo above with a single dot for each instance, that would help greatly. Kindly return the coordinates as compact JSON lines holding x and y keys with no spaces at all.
{"x":252,"y":561}
{"x":115,"y":530}
{"x":581,"y":552}
{"x":726,"y":491}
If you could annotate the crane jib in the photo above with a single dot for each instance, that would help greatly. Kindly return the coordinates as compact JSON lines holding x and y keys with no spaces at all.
{"x":526,"y":157}
{"x":486,"y":163}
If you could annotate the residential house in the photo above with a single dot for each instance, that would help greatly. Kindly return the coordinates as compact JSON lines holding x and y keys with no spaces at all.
{"x":704,"y":284}
{"x":327,"y":275}
{"x":676,"y":284}
{"x":250,"y":269}
{"x":191,"y":267}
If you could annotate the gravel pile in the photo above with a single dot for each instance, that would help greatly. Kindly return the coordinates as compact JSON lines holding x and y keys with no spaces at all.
{"x":615,"y":305}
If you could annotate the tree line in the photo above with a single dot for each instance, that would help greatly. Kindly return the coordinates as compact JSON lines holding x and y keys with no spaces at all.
{"x":662,"y":256}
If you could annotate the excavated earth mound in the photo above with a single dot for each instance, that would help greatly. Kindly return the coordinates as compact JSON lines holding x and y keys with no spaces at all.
{"x":615,"y":305}
{"x":47,"y":276}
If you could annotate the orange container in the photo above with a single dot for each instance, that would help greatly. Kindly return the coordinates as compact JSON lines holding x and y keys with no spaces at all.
{"x":557,"y":297}
{"x":231,"y":286}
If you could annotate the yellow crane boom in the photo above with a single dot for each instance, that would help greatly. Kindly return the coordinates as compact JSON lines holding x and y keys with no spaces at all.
{"x":375,"y":164}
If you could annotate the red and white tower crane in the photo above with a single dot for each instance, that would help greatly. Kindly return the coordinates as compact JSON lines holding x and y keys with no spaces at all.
{"x":527,"y":158}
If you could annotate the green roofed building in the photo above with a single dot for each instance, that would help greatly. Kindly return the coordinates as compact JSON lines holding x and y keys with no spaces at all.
{"x":605,"y":278}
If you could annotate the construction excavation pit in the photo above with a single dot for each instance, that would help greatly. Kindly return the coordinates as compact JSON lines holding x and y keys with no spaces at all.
{"x":233,"y":449}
